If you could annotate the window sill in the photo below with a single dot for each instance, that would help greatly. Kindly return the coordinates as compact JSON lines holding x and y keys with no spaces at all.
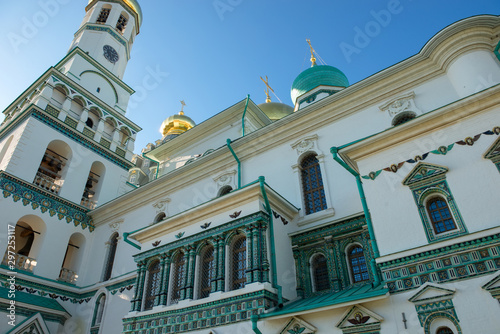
{"x":315,"y":217}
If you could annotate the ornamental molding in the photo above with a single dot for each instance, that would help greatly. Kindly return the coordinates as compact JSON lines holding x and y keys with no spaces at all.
{"x":401,"y":104}
{"x":225,"y":179}
{"x":298,"y":326}
{"x":431,"y":293}
{"x":307,"y":144}
{"x":36,"y":325}
{"x":423,"y":171}
{"x":493,"y":286}
{"x":161,"y":205}
{"x":359,"y":319}
{"x":115,"y":225}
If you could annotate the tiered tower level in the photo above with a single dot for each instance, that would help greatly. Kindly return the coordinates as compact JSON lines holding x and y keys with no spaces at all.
{"x":66,"y":147}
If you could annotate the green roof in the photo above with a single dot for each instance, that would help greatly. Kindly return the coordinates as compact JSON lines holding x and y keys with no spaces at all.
{"x":318,"y":75}
{"x":354,"y":293}
{"x":32,"y":299}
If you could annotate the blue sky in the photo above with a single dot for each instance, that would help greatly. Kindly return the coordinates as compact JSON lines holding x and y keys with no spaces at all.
{"x":211,"y":53}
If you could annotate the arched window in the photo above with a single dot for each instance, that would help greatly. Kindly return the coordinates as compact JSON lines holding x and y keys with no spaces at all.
{"x":403,"y":118}
{"x":239,"y":265}
{"x":440,"y":215}
{"x":110,"y":258}
{"x":159,"y":217}
{"x":357,"y":263}
{"x":122,"y":23}
{"x":444,"y":330}
{"x":153,"y":285}
{"x":178,"y":275}
{"x":225,"y":190}
{"x":104,"y":14}
{"x":319,"y":269}
{"x":312,"y":185}
{"x":99,"y":310}
{"x":207,"y":273}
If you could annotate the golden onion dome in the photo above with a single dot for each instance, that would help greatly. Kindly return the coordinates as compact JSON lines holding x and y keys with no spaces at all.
{"x":175,"y":125}
{"x":276,"y":111}
{"x":134,"y":6}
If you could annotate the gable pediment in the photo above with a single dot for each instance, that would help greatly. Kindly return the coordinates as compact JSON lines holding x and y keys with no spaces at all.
{"x":430,"y":292}
{"x":298,"y":326}
{"x":424,"y":171}
{"x":34,"y":325}
{"x":493,"y":286}
{"x":359,"y":319}
{"x":493,"y":152}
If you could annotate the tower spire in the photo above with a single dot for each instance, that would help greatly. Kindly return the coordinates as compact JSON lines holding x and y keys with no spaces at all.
{"x":313,"y":59}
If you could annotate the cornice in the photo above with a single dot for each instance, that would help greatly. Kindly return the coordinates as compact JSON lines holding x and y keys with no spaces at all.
{"x":425,"y":124}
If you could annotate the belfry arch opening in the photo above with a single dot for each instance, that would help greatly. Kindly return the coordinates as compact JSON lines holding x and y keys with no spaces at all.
{"x":53,"y":167}
{"x":93,"y":185}
{"x":72,"y":258}
{"x":28,"y":232}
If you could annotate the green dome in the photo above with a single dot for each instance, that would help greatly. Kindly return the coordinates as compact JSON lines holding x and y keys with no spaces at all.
{"x":275,"y":110}
{"x":318,"y":75}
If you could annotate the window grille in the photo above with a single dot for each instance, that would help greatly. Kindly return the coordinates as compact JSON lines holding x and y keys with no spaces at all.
{"x":359,"y":270}
{"x":153,"y":286}
{"x":320,"y":273}
{"x":207,"y":271}
{"x":178,"y":277}
{"x":239,"y":263}
{"x":113,"y":243}
{"x":440,"y":215}
{"x":122,"y":24}
{"x":103,"y":15}
{"x":312,"y":185}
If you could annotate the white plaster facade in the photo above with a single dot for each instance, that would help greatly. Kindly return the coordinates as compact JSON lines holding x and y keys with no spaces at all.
{"x":451,"y":86}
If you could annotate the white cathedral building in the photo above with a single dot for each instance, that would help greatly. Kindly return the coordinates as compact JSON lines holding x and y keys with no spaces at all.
{"x":365,"y":208}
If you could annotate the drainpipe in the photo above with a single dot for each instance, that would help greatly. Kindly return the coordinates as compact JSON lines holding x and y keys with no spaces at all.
{"x":334,"y":150}
{"x":157,"y":168}
{"x":228,"y":141}
{"x":262,"y":181}
{"x":254,"y":319}
{"x":125,"y":238}
{"x":243,"y":118}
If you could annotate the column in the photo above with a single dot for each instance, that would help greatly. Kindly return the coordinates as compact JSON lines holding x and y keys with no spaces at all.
{"x":100,"y":129}
{"x":221,"y":263}
{"x":167,"y":264}
{"x":335,"y":283}
{"x":116,"y":139}
{"x":213,"y":282}
{"x":298,"y":271}
{"x":249,"y":229}
{"x":66,"y":106}
{"x":264,"y":252}
{"x":139,"y":287}
{"x":83,"y":119}
{"x":190,"y":267}
{"x":45,"y":95}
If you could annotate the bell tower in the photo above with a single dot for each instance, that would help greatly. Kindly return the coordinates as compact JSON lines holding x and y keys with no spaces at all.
{"x":107,"y":33}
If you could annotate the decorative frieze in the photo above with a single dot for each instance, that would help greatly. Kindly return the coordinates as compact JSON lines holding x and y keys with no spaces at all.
{"x":216,"y":313}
